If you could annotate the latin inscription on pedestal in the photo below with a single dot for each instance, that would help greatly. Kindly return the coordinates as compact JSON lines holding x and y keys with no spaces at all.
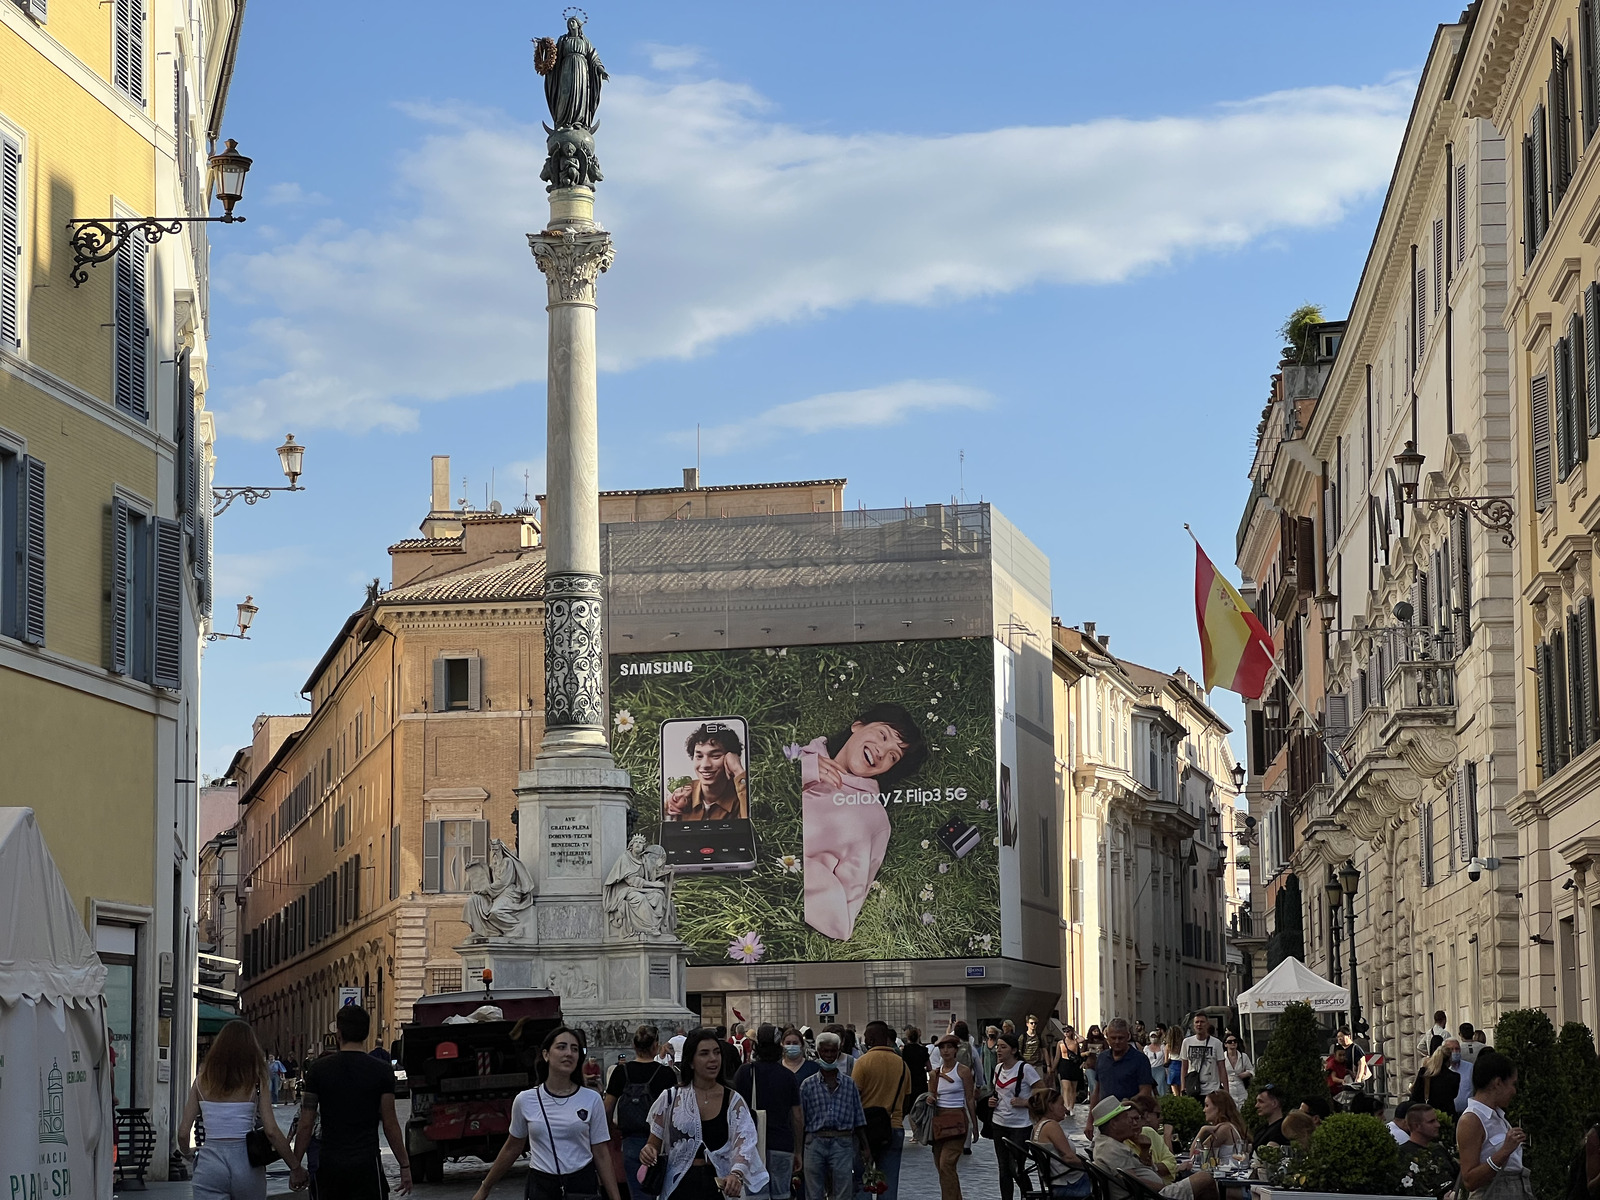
{"x":569,"y":845}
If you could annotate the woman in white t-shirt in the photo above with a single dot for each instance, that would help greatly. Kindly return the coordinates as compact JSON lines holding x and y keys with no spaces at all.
{"x":1014,"y":1081}
{"x":564,"y":1123}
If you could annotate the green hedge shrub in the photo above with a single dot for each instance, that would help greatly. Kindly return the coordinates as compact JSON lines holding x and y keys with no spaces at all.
{"x":1544,"y":1103}
{"x":1354,"y":1153}
{"x":1292,"y":1060}
{"x":1185,"y":1114}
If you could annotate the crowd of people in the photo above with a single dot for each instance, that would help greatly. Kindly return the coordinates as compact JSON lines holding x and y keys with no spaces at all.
{"x":784,"y":1113}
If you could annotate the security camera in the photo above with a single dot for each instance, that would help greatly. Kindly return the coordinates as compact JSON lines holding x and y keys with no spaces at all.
{"x":1475,"y":869}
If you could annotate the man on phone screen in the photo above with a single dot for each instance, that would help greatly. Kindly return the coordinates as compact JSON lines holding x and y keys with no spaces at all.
{"x":718,"y":790}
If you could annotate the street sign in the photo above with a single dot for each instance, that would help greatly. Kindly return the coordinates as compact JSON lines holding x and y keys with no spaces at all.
{"x":977,"y":972}
{"x":349,"y":996}
{"x":827,"y":1004}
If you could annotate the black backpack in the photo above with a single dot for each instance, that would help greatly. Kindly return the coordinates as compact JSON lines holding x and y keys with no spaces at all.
{"x":632,"y":1110}
{"x":880,"y":1120}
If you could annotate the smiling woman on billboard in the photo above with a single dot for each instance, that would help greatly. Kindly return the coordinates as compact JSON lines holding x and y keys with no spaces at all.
{"x":846,"y":826}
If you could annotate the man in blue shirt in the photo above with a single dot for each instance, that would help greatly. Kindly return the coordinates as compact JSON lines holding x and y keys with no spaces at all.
{"x":835,"y":1126}
{"x":1122,"y":1071}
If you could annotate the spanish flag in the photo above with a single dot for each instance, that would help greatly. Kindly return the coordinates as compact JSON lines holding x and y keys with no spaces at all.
{"x":1235,"y":649}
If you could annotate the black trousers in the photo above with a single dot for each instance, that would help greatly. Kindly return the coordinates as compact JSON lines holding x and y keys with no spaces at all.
{"x":542,"y":1185}
{"x":363,"y":1182}
{"x":1019,"y":1139}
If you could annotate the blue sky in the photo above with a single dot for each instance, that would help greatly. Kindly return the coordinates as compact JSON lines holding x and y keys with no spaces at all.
{"x":851,"y":240}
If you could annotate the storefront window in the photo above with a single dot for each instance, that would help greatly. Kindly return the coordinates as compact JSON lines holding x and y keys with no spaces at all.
{"x":117,"y":945}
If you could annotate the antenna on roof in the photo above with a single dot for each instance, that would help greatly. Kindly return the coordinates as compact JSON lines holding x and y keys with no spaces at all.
{"x":962,"y":476}
{"x":463,"y":500}
{"x":524,"y":488}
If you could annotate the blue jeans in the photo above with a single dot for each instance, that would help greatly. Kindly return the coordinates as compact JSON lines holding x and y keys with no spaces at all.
{"x":830,"y":1166}
{"x":630,"y":1166}
{"x":889,"y":1163}
{"x":780,"y":1166}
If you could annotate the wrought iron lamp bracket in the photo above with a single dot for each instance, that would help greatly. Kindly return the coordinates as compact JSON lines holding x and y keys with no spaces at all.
{"x":100,"y":239}
{"x":222,"y":497}
{"x":1492,"y":512}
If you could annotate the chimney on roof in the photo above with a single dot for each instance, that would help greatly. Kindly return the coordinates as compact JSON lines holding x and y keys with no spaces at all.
{"x":441,"y":521}
{"x":691,"y":479}
{"x":1088,"y":629}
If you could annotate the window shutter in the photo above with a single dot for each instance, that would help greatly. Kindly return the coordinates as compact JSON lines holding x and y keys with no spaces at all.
{"x":1530,"y":237}
{"x":1578,"y":386}
{"x":169,"y":605}
{"x":132,"y":331}
{"x":1562,"y":387}
{"x":1558,"y":699}
{"x":474,"y":683}
{"x":1561,"y":124}
{"x":187,"y":430}
{"x":30,"y":550}
{"x":441,"y":685}
{"x":1577,"y":728}
{"x":355,"y":887}
{"x":1337,"y":724}
{"x":1463,"y":568}
{"x":1420,"y":294}
{"x":1471,"y":810}
{"x":1591,"y":679}
{"x":1438,"y":615}
{"x":1591,"y":356}
{"x":1463,"y":821}
{"x":1539,"y":413}
{"x":1427,"y":845}
{"x":1586,"y":65}
{"x":127,"y":68}
{"x":480,"y":841}
{"x":1541,"y":176}
{"x":10,"y":244}
{"x":394,"y":863}
{"x":121,"y":565}
{"x":1438,"y":263}
{"x":430,"y":856}
{"x":1541,"y":674}
{"x":1461,"y":213}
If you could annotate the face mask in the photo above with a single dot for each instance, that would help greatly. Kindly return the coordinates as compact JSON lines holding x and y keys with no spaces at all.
{"x":791,"y":1051}
{"x":1455,"y":1058}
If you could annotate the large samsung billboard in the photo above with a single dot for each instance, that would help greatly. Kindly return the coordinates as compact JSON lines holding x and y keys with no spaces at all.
{"x":822,"y":802}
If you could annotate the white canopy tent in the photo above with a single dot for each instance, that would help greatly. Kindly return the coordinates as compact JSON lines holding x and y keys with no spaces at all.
{"x":1290,"y":982}
{"x":56,"y":1123}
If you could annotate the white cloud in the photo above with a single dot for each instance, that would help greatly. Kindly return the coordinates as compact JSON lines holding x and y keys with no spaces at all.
{"x":239,"y":573}
{"x":726,"y":220}
{"x":833,"y":411}
{"x":289,"y":194}
{"x":673,"y":58}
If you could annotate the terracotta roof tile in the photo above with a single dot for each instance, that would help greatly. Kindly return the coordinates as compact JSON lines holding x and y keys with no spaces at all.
{"x":518,"y":579}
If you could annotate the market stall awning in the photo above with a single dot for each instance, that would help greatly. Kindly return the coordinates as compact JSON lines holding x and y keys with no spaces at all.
{"x":1292,"y":982}
{"x":212,"y":1018}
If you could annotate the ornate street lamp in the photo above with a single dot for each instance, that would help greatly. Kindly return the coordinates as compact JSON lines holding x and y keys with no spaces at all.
{"x":100,"y":239}
{"x":1272,"y":710}
{"x":1239,"y":776}
{"x":290,"y":456}
{"x":247,"y":614}
{"x":1492,"y":512}
{"x":1328,"y":607}
{"x":1335,"y":895}
{"x":1349,"y":880}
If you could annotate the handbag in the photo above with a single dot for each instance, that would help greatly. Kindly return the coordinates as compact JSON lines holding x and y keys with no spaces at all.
{"x":654,"y":1177}
{"x":554,"y":1154}
{"x":258,"y":1147}
{"x":949,"y":1123}
{"x":880,"y":1120}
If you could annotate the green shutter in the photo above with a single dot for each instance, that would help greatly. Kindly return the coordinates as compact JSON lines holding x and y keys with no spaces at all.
{"x":30,"y":501}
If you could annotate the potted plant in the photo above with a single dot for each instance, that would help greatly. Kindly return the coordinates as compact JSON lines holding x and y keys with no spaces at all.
{"x":1353,"y":1153}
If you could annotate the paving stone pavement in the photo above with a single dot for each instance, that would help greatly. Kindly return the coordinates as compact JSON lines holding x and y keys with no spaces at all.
{"x":980,"y":1178}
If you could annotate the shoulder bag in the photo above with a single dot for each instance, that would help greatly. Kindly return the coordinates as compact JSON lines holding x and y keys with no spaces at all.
{"x":258,"y":1146}
{"x":654,"y":1179}
{"x":880,"y":1120}
{"x":758,"y":1114}
{"x":555,"y":1154}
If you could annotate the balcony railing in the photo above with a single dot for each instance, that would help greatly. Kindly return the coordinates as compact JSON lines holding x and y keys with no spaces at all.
{"x":1248,"y":927}
{"x":1422,"y":684}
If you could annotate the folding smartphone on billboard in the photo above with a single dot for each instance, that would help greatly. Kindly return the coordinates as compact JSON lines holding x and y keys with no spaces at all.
{"x":705,"y":795}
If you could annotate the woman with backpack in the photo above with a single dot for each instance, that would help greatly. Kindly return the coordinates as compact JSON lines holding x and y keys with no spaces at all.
{"x":770,"y":1087}
{"x":630,"y":1093}
{"x":1014,"y":1081}
{"x":563,"y":1125}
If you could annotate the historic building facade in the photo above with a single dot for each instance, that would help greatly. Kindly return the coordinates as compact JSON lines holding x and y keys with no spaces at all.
{"x":105,"y":453}
{"x":1531,"y":69}
{"x":357,"y":828}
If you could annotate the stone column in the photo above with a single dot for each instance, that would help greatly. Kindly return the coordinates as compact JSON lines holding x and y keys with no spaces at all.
{"x":573,"y":251}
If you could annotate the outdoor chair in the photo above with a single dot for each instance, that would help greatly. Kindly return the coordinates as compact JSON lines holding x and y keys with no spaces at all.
{"x":1013,"y":1158}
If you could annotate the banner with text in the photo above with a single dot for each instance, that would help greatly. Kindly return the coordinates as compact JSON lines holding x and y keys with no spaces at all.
{"x":820,"y":802}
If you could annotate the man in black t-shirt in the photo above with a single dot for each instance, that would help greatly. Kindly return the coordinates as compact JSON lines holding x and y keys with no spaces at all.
{"x":630,"y":1093}
{"x":768,"y":1085}
{"x":355,"y":1093}
{"x":1269,"y":1107}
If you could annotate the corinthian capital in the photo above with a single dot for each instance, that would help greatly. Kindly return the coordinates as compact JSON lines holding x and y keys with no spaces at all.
{"x":571,"y":261}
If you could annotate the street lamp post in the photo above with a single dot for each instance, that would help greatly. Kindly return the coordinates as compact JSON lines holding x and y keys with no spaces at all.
{"x":1335,"y":902}
{"x":1492,"y":512}
{"x":247,"y":613}
{"x":1349,"y":880}
{"x":291,"y":456}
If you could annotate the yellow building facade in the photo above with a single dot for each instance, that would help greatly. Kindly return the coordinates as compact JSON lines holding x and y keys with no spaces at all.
{"x":109,"y":111}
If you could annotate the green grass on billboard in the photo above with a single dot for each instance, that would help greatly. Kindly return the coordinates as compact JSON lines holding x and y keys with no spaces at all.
{"x":925,"y":901}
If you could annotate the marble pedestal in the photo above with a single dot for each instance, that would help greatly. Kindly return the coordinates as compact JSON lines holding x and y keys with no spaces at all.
{"x":572,"y":827}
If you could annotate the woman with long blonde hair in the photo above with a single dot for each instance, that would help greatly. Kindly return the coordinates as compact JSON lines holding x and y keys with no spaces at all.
{"x":232,"y":1092}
